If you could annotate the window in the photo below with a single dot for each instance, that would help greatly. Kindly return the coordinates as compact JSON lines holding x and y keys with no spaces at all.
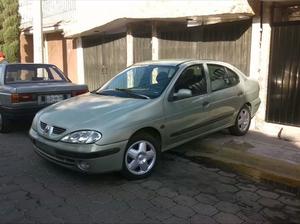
{"x":233,"y":77}
{"x":221,"y":77}
{"x":20,"y":73}
{"x":193,"y":78}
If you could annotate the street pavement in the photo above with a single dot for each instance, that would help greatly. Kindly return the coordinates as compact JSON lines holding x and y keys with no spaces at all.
{"x":33,"y":190}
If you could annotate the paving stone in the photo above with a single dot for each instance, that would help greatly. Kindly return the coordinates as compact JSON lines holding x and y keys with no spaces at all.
{"x":207,"y":199}
{"x":157,"y":213}
{"x":247,"y":196}
{"x":181,"y":211}
{"x":270,"y":203}
{"x":226,"y":196}
{"x":293,"y":211}
{"x":267,"y":194}
{"x":163,"y":202}
{"x":140,"y":204}
{"x":185,"y":200}
{"x":197,"y":219}
{"x":252,"y":218}
{"x":205,"y":209}
{"x":274,"y":215}
{"x":131,"y":216}
{"x":167,"y":192}
{"x":226,"y":188}
{"x":176,"y":220}
{"x":247,"y":187}
{"x":35,"y":191}
{"x":249,"y":206}
{"x":226,"y":174}
{"x":227,"y":218}
{"x":152,"y":184}
{"x":290,"y":201}
{"x":227,"y":207}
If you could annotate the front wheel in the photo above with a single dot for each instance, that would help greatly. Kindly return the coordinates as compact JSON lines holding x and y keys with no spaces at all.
{"x":4,"y":124}
{"x":242,"y":122}
{"x":141,"y":156}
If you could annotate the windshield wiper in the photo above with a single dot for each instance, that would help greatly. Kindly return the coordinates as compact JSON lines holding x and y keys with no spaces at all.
{"x":130,"y":92}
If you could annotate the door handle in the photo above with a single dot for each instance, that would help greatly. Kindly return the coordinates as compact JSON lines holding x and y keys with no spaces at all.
{"x":240,"y":93}
{"x":205,"y":104}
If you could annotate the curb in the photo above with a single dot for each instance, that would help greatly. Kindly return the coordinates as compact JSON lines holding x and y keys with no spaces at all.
{"x":258,"y":167}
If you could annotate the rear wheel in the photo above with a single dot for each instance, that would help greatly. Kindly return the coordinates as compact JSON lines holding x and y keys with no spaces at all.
{"x":4,"y":124}
{"x":242,"y":122}
{"x":141,"y":156}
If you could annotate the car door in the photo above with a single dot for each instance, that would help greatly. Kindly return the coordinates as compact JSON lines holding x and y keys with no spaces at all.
{"x":185,"y":116}
{"x":225,"y":98}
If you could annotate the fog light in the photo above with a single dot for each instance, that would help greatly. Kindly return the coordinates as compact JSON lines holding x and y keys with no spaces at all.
{"x":83,"y":165}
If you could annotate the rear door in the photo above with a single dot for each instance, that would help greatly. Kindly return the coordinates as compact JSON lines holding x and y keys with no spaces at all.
{"x":226,"y":96}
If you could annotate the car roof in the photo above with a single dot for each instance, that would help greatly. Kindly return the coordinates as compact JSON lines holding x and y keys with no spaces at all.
{"x":28,"y":64}
{"x":175,"y":62}
{"x":171,"y":62}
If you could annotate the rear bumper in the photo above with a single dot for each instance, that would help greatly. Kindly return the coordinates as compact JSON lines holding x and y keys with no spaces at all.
{"x":254,"y":106}
{"x":100,"y":159}
{"x":15,"y":113}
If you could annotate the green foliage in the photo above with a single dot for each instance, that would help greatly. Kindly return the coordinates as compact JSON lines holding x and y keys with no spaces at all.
{"x":9,"y":29}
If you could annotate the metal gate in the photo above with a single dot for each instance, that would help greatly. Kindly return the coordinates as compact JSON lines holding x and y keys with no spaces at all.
{"x":104,"y":57}
{"x":283,"y":102}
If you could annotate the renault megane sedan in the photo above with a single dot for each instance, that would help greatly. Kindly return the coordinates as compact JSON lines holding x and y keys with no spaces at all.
{"x":146,"y":109}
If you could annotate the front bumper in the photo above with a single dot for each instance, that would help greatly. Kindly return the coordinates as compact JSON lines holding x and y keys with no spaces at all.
{"x":98,"y":159}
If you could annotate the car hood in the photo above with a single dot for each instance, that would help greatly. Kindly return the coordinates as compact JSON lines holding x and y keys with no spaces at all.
{"x":89,"y":111}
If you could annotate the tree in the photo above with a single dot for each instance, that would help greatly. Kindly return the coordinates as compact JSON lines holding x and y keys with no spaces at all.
{"x":9,"y":29}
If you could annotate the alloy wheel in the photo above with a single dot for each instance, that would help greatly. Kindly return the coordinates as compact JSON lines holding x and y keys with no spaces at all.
{"x":243,"y":120}
{"x":140,"y":157}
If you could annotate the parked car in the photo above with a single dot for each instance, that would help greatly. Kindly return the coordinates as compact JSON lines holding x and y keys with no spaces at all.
{"x":27,"y":88}
{"x":146,"y":109}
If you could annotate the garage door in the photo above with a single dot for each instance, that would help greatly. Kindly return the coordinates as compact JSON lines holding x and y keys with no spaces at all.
{"x":229,"y":42}
{"x":283,"y":105}
{"x":104,"y":57}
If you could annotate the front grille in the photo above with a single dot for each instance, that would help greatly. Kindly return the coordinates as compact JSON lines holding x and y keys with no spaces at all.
{"x":56,"y":130}
{"x":43,"y":125}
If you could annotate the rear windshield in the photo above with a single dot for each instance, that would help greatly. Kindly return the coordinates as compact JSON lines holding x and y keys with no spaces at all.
{"x":25,"y":73}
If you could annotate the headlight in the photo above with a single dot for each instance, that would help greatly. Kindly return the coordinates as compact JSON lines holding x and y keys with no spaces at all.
{"x":82,"y":137}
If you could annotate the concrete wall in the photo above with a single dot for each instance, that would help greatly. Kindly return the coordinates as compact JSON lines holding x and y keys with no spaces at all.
{"x":259,"y":70}
{"x":99,"y":13}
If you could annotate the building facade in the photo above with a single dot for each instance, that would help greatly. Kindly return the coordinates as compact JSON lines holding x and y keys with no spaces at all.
{"x":91,"y":41}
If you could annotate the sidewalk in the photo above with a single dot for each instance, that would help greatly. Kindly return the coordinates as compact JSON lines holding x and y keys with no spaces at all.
{"x":257,"y":155}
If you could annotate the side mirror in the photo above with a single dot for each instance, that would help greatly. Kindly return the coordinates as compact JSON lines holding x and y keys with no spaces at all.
{"x":182,"y":93}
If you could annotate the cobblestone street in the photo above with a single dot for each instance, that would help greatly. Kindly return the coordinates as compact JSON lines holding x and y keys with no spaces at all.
{"x":35,"y":191}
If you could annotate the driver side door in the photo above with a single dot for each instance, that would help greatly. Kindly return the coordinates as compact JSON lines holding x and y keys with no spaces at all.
{"x":185,"y":116}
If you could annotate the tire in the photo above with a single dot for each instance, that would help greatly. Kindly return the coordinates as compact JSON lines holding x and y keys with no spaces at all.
{"x":242,"y":122}
{"x":141,"y":156}
{"x":4,"y":124}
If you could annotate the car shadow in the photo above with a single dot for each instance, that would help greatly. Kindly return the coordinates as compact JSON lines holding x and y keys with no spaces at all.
{"x":20,"y":126}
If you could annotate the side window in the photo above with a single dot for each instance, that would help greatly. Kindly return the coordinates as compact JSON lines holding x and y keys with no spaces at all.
{"x":233,"y":77}
{"x":193,"y":78}
{"x":218,"y":77}
{"x":221,"y":77}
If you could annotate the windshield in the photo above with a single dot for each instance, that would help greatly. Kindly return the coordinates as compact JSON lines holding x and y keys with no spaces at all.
{"x":146,"y":81}
{"x":27,"y":73}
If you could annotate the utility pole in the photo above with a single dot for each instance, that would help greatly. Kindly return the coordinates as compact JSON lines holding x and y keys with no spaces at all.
{"x":37,"y":13}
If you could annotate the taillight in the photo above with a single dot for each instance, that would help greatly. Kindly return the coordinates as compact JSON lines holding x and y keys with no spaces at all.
{"x":79,"y":92}
{"x":21,"y":97}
